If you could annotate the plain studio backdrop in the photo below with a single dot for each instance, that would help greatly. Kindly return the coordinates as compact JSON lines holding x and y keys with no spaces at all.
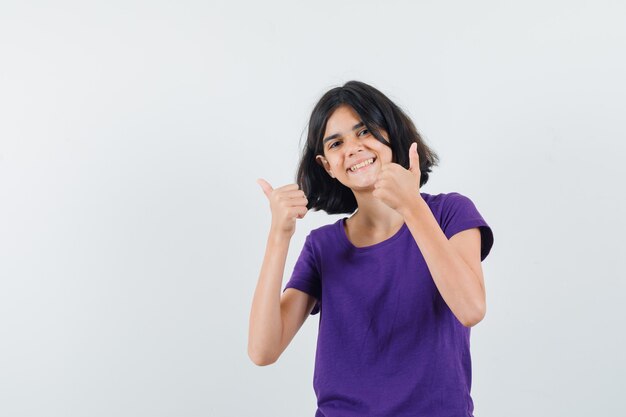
{"x":132,"y":229}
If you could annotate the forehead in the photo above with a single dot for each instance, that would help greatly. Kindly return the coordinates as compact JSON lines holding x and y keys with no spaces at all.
{"x":341,"y":120}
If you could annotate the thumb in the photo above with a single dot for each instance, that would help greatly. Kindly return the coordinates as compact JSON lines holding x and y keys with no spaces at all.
{"x":267,"y":188}
{"x":414,"y":161}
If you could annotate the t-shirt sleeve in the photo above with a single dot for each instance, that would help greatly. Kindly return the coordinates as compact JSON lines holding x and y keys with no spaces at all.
{"x":305,"y":276}
{"x":459,"y":213}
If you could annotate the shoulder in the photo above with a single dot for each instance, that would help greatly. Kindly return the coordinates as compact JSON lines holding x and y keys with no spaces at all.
{"x":454,"y":211}
{"x":325,"y":230}
{"x":458,"y":213}
{"x":456,"y":204}
{"x":448,"y":199}
{"x":324,"y":235}
{"x":455,"y":198}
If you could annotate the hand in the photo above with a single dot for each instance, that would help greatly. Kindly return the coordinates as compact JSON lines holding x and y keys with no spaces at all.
{"x":287,"y":204}
{"x":398,"y":187}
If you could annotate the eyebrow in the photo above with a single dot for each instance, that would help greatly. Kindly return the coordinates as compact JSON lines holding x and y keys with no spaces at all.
{"x":336,"y":135}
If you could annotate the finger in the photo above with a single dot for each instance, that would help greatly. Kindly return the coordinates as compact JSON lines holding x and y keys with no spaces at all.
{"x":290,"y":198}
{"x":299,"y":212}
{"x":289,"y":187}
{"x":267,"y":188}
{"x":413,"y":157}
{"x":294,"y":202}
{"x":293,"y":194}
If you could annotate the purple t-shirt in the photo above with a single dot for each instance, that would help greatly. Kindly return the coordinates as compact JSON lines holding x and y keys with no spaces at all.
{"x":388,"y":344}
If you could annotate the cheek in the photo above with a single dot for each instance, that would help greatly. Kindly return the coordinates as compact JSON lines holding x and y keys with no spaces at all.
{"x":384,"y":151}
{"x":380,"y":146}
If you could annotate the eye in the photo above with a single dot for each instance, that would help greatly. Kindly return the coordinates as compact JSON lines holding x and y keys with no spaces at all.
{"x":332,"y":145}
{"x":363,"y":131}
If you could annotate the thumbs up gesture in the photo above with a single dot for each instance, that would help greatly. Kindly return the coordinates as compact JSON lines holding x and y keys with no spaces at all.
{"x":287,"y":203}
{"x":398,"y":187}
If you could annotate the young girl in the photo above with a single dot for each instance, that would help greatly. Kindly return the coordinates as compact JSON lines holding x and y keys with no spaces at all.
{"x":398,"y":284}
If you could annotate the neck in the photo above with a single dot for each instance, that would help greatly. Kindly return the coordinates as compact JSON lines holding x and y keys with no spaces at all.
{"x":374,"y":214}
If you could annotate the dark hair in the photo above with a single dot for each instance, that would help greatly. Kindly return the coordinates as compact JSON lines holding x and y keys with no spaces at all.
{"x":377,"y":112}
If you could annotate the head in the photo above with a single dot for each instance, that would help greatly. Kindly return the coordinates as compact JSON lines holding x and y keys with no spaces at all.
{"x":348,"y":124}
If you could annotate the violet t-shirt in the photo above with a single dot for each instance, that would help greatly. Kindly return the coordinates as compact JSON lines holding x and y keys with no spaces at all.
{"x":388,"y":344}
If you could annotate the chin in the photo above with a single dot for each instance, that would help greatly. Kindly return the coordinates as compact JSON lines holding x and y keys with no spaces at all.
{"x":361,"y":185}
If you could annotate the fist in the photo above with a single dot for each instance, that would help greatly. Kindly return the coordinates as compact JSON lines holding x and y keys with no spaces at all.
{"x":287,"y":203}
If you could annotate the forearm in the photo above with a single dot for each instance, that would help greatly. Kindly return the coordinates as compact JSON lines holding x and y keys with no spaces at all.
{"x":265,"y":329}
{"x":457,"y":283}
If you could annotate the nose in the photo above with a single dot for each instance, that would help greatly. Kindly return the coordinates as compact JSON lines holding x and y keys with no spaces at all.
{"x":353,"y":145}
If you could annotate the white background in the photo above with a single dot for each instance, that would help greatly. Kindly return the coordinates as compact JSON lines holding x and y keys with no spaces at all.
{"x":132,"y":230}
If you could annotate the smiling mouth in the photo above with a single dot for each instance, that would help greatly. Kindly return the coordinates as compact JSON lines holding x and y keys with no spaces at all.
{"x":349,"y":170}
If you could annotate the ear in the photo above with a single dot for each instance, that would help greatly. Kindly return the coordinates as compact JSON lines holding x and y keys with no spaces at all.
{"x":324,"y":163}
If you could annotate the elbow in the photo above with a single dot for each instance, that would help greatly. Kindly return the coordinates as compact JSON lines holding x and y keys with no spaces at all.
{"x":475,"y":318}
{"x":470,"y":323}
{"x":261,"y":351}
{"x":260,"y":359}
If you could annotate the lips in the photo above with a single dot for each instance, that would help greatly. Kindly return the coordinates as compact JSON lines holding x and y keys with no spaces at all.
{"x":362,"y":160}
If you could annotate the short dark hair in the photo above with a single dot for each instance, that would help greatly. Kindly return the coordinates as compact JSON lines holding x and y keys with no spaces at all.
{"x":377,"y":112}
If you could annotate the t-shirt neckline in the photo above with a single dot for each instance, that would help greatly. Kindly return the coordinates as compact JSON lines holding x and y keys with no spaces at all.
{"x":343,"y":237}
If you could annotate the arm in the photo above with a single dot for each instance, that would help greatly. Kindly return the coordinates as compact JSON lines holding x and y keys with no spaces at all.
{"x":275,"y":319}
{"x":448,"y":261}
{"x":265,"y":321}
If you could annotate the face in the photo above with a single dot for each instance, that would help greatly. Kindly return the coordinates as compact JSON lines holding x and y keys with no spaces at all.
{"x":346,"y":143}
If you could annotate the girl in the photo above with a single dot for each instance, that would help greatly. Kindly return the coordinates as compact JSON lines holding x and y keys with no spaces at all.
{"x":398,"y":284}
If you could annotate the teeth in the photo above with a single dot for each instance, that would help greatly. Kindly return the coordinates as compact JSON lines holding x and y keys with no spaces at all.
{"x":362,"y":164}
